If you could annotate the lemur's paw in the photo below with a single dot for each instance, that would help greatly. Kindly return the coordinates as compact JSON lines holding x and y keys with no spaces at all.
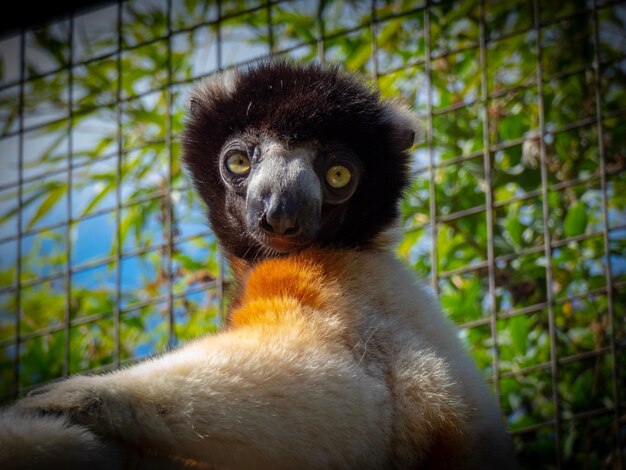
{"x":75,"y":398}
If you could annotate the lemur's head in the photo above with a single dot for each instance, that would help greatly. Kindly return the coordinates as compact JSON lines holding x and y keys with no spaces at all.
{"x":289,"y":155}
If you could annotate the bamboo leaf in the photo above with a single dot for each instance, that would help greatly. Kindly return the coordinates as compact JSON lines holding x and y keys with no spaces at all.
{"x":47,"y":204}
{"x":98,"y":197}
{"x":27,"y":202}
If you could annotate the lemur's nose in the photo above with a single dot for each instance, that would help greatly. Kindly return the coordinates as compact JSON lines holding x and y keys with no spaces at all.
{"x":281,"y":217}
{"x":280,"y":224}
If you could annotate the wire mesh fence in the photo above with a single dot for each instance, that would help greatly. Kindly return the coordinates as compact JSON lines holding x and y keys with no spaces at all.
{"x":517,"y":215}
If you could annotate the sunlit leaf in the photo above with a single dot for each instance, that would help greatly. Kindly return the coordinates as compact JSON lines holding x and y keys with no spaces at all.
{"x":53,"y":197}
{"x":519,"y":333}
{"x":26,"y":203}
{"x":514,"y":230}
{"x":575,"y":220}
{"x":99,"y":197}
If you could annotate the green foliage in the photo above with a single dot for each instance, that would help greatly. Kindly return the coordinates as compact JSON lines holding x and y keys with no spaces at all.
{"x":575,"y":220}
{"x":542,"y":188}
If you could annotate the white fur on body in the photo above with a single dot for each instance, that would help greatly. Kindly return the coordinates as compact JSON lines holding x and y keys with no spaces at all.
{"x":370,"y":383}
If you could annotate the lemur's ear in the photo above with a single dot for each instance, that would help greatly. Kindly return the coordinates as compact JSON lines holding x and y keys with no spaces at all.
{"x":217,"y":86}
{"x":193,"y":105}
{"x":406,"y":128}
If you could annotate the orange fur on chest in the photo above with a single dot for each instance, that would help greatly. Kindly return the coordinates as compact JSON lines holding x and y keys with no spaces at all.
{"x":277,"y":289}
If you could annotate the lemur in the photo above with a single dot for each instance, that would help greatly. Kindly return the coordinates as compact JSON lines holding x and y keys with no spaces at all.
{"x":334,"y":356}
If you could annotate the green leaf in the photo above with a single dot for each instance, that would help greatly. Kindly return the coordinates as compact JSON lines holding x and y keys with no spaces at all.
{"x":575,"y":220}
{"x":134,"y":323}
{"x":98,"y":197}
{"x":519,"y":333}
{"x":188,"y":262}
{"x":47,"y":204}
{"x":514,"y":229}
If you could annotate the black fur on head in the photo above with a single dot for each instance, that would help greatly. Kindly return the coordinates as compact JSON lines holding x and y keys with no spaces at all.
{"x":312,"y":107}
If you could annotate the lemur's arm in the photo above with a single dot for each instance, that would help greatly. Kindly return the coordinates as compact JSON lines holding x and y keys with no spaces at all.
{"x":31,"y":442}
{"x":240,"y":398}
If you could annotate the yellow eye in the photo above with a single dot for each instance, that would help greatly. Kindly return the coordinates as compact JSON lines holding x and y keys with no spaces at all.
{"x":338,"y":176}
{"x":238,"y":163}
